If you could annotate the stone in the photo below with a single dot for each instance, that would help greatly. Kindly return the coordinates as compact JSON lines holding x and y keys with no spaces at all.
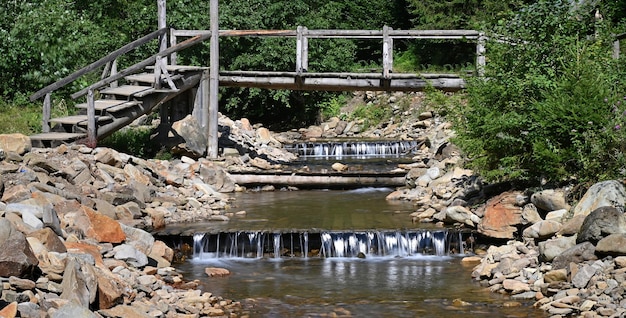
{"x":583,"y":276}
{"x":552,"y":248}
{"x":620,"y":261}
{"x":614,"y":245}
{"x":577,"y":254}
{"x":74,"y":310}
{"x":131,"y":255}
{"x":105,"y":208}
{"x":79,"y":282}
{"x":15,"y":193}
{"x":501,"y":217}
{"x":556,"y":215}
{"x":550,"y":200}
{"x":49,"y":239}
{"x":530,"y":215}
{"x":607,"y":193}
{"x":10,"y":311}
{"x":557,"y":275}
{"x":16,"y":256}
{"x":162,"y":250}
{"x":99,"y":227}
{"x":108,"y":157}
{"x":133,"y":173}
{"x":86,"y":248}
{"x":600,"y":223}
{"x":138,"y":238}
{"x":572,"y":226}
{"x":542,"y":229}
{"x":515,"y":286}
{"x":459,"y":214}
{"x":189,"y":137}
{"x":17,"y":143}
{"x":337,"y":166}
{"x":216,"y":272}
{"x":21,"y":283}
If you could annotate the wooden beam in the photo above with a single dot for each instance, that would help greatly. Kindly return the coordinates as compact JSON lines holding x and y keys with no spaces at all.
{"x":319,"y":181}
{"x":47,"y":107}
{"x":480,"y":55}
{"x":112,"y":56}
{"x":92,"y":137}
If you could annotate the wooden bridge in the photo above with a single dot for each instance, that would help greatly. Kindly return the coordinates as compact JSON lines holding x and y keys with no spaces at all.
{"x":158,"y":82}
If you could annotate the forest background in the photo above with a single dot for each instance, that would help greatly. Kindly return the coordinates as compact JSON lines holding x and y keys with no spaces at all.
{"x":552,"y":109}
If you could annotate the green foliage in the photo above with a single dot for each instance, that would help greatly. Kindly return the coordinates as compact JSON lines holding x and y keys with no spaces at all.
{"x":134,"y":141}
{"x":541,"y":114}
{"x":372,"y":114}
{"x":332,"y":107}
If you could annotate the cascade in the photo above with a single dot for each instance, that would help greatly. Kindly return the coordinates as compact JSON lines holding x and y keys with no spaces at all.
{"x":356,"y":149}
{"x":327,"y":244}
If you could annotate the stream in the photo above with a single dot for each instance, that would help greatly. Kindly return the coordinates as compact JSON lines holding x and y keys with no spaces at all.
{"x":403,"y":283}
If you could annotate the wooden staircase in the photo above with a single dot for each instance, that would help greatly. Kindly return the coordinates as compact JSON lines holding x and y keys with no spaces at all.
{"x":118,"y":106}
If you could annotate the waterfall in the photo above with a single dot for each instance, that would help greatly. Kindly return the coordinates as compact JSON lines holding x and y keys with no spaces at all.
{"x":327,"y":244}
{"x":358,"y":149}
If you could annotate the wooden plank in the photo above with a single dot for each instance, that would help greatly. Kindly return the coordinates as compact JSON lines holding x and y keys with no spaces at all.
{"x":77,"y":119}
{"x":337,"y":75}
{"x":57,"y":136}
{"x":125,"y":90}
{"x":112,"y":56}
{"x":102,"y":104}
{"x":123,"y":106}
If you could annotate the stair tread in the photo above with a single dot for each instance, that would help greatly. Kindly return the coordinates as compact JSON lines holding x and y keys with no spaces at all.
{"x":77,"y":119}
{"x":110,"y":105}
{"x":125,"y":90}
{"x":147,"y":77}
{"x":182,"y":68}
{"x":57,"y":136}
{"x":155,"y":90}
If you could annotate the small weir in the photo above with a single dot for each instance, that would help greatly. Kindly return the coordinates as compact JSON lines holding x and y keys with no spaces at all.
{"x":328,"y":244}
{"x":354,"y":149}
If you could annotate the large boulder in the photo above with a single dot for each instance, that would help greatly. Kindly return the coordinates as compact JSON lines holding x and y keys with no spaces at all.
{"x":550,"y":249}
{"x":575,"y":254}
{"x":191,"y":139}
{"x":614,"y":244}
{"x":16,"y":256}
{"x":98,"y":227}
{"x":17,"y":143}
{"x":502,"y":216}
{"x":606,"y":193}
{"x":601,"y":223}
{"x":550,"y":200}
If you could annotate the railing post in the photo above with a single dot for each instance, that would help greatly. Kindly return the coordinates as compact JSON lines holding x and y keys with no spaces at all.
{"x":616,"y":49}
{"x":305,"y":50}
{"x":113,"y":72}
{"x":162,"y":23}
{"x":47,"y":107}
{"x":387,"y":53}
{"x":173,"y":40}
{"x":91,"y":119}
{"x":480,"y":55}
{"x":299,"y":51}
{"x":212,"y":137}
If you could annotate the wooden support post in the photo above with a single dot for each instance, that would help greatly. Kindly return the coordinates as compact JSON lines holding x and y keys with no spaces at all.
{"x":212,"y":136}
{"x":91,"y":120}
{"x":616,"y":49}
{"x":201,"y":106}
{"x":113,"y":72}
{"x":387,"y":53}
{"x":299,"y":51}
{"x":162,"y":23}
{"x":173,"y":40}
{"x":305,"y":50}
{"x":47,"y":107}
{"x":480,"y":55}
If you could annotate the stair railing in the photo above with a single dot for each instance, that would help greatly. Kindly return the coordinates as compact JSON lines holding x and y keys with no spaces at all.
{"x":110,"y":70}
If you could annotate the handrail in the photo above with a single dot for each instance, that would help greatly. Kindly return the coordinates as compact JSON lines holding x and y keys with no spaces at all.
{"x":112,"y":56}
{"x":149,"y":61}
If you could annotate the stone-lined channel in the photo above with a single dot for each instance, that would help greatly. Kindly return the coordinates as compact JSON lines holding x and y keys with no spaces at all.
{"x":393,"y":285}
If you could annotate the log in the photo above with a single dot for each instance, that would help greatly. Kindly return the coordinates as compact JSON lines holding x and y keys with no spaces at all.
{"x":320,"y":181}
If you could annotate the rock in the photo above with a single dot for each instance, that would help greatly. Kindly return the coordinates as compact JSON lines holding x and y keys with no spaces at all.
{"x":98,"y":226}
{"x":138,"y":238}
{"x":162,"y":250}
{"x":530,"y":215}
{"x":542,"y":229}
{"x":515,"y":286}
{"x":21,"y":284}
{"x":131,"y":255}
{"x":110,"y":290}
{"x":583,"y":276}
{"x":16,"y":193}
{"x":216,"y":272}
{"x":190,"y":137}
{"x":607,"y":193}
{"x":10,"y":311}
{"x":459,"y":214}
{"x":49,"y":239}
{"x":108,"y":157}
{"x":554,"y":276}
{"x":337,"y":166}
{"x":576,"y":254}
{"x":572,"y":226}
{"x":556,"y":215}
{"x":614,"y":245}
{"x":550,"y":249}
{"x":550,"y":200}
{"x":501,"y":217}
{"x":600,"y":223}
{"x":74,"y":310}
{"x":79,"y":282}
{"x":16,"y":256}
{"x":17,"y":143}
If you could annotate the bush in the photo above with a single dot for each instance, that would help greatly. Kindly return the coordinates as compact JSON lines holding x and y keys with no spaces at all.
{"x":542,"y":115}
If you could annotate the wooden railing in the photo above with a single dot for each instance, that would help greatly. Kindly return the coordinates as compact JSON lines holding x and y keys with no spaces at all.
{"x":387,"y":35}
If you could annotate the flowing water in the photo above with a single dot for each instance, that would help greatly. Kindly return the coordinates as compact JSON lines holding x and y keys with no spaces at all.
{"x":364,"y":258}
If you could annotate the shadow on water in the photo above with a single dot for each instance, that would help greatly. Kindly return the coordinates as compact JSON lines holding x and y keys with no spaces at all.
{"x":416,"y":285}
